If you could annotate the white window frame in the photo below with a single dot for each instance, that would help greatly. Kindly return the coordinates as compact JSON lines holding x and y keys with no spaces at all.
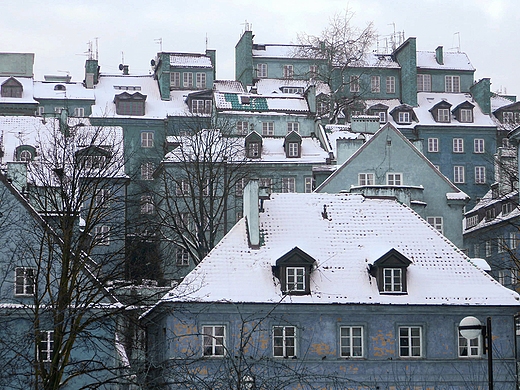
{"x":308,"y":184}
{"x":293,"y":149}
{"x":513,"y":240}
{"x":443,"y":115}
{"x":466,"y":115}
{"x":403,"y":117}
{"x":489,"y":248}
{"x":58,"y":110}
{"x":410,"y":342}
{"x":147,"y":170}
{"x":182,"y":188}
{"x":375,"y":84}
{"x":261,"y":71}
{"x":424,"y":82}
{"x":267,"y":128}
{"x":182,"y":257}
{"x":102,"y":235}
{"x":253,"y":149}
{"x":452,"y":84}
{"x":147,"y":139}
{"x":295,"y":279}
{"x":147,"y":206}
{"x":459,"y":174}
{"x":354,"y":84}
{"x":284,"y":341}
{"x":479,"y":145}
{"x":242,"y":127}
{"x":201,"y":106}
{"x":366,"y":179}
{"x":480,"y":175}
{"x":470,"y":348}
{"x":351,"y":344}
{"x":293,"y":126}
{"x":437,"y":223}
{"x":187,"y":79}
{"x":394,"y":179}
{"x":313,"y":70}
{"x":79,"y":112}
{"x":501,"y":244}
{"x":213,"y":340}
{"x":46,"y":346}
{"x":41,"y":110}
{"x":288,"y":71}
{"x":200,"y":80}
{"x":175,"y":79}
{"x":433,"y":145}
{"x":393,"y":280}
{"x":26,"y":155}
{"x":24,"y":281}
{"x":458,"y":145}
{"x":101,"y":198}
{"x":390,"y":84}
{"x":288,"y":185}
{"x":382,"y":116}
{"x":239,"y":187}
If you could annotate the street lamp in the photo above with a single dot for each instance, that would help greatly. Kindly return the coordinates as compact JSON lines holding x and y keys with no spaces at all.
{"x":470,"y":328}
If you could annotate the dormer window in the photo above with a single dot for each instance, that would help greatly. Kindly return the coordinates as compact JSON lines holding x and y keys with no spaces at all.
{"x":403,"y":114}
{"x":464,"y":112}
{"x":25,"y":153}
{"x":293,"y":270}
{"x":379,"y":110}
{"x":59,"y":87}
{"x":441,"y":112}
{"x":130,"y":104}
{"x":93,"y":157}
{"x":296,"y":90}
{"x":443,"y":115}
{"x":390,"y":272}
{"x":12,"y":88}
{"x":199,"y":106}
{"x":292,"y":145}
{"x":254,"y":145}
{"x":404,"y":117}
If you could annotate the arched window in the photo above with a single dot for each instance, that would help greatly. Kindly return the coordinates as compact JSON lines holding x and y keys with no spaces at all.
{"x":25,"y":155}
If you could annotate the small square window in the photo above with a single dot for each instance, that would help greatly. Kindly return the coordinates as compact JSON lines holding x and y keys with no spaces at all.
{"x":394,"y":179}
{"x":351,"y":341}
{"x":366,"y":179}
{"x":213,"y":340}
{"x":410,"y":341}
{"x":182,"y":188}
{"x":242,"y":127}
{"x":424,"y":83}
{"x":253,"y":149}
{"x":436,"y":222}
{"x":452,"y":84}
{"x":24,"y":281}
{"x":284,"y":341}
{"x":293,"y":126}
{"x":393,"y":280}
{"x":443,"y":115}
{"x":79,"y":112}
{"x":175,"y":79}
{"x":403,"y":117}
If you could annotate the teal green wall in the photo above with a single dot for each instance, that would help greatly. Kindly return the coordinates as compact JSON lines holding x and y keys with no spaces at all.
{"x":481,"y":92}
{"x":405,"y":55}
{"x":244,"y":59}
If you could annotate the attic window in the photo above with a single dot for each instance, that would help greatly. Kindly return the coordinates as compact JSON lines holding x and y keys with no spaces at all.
{"x":253,"y":149}
{"x":127,"y":104}
{"x":59,"y":87}
{"x":390,"y":272}
{"x":296,"y":90}
{"x":12,"y":88}
{"x":293,"y":270}
{"x":403,"y":117}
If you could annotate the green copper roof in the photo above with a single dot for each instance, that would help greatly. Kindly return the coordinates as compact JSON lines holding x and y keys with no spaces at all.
{"x":256,"y":103}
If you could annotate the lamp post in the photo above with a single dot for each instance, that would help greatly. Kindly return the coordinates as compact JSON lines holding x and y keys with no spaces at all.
{"x":470,"y":328}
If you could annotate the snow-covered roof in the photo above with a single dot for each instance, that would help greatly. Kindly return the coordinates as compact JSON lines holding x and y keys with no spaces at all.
{"x":451,"y":61}
{"x":356,"y":232}
{"x":228,"y":86}
{"x":57,"y":90}
{"x":278,"y":51}
{"x":373,"y":60}
{"x":274,"y":86}
{"x":188,"y":60}
{"x":27,"y":92}
{"x":486,"y":201}
{"x":261,"y":103}
{"x":498,"y":101}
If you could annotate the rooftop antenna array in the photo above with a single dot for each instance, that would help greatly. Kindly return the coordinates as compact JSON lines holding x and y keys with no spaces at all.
{"x":386,"y":44}
{"x":247,"y":26}
{"x":458,"y":46}
{"x":159,"y":42}
{"x":90,"y":51}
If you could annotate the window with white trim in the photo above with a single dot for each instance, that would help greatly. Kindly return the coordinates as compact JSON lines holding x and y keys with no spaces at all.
{"x":433,"y":145}
{"x":239,"y":187}
{"x":25,"y":155}
{"x":478,"y":145}
{"x":458,"y":174}
{"x":253,"y":149}
{"x":507,"y":208}
{"x":490,"y":213}
{"x":351,"y":341}
{"x":480,"y":175}
{"x":267,"y":128}
{"x":147,"y":139}
{"x":394,"y":179}
{"x":424,"y":83}
{"x":382,"y":116}
{"x":313,"y":70}
{"x":284,"y":341}
{"x":265,"y":182}
{"x":213,"y":340}
{"x":182,"y":188}
{"x":410,"y":341}
{"x":470,"y":348}
{"x":242,"y":127}
{"x":390,"y":84}
{"x":354,"y":83}
{"x":24,"y":282}
{"x":175,"y":79}
{"x":147,"y":206}
{"x":443,"y":115}
{"x":458,"y":145}
{"x":79,"y":112}
{"x":375,"y":84}
{"x":308,"y":184}
{"x":471,"y":221}
{"x":58,"y":110}
{"x":476,"y":250}
{"x":501,"y":277}
{"x":322,"y":108}
{"x":295,"y":279}
{"x":201,"y":106}
{"x":365,"y":179}
{"x":392,"y":280}
{"x":187,"y":80}
{"x":102,"y":235}
{"x":488,"y":248}
{"x":513,"y":240}
{"x":41,"y":111}
{"x":200,"y":80}
{"x":182,"y":256}
{"x":293,"y":149}
{"x":403,"y":117}
{"x":288,"y":184}
{"x":288,"y":71}
{"x":436,"y":222}
{"x":507,"y":117}
{"x":452,"y":84}
{"x":46,"y":346}
{"x":147,"y":169}
{"x":293,"y":126}
{"x":501,"y":244}
{"x":466,"y":115}
{"x":261,"y":71}
{"x":101,"y":198}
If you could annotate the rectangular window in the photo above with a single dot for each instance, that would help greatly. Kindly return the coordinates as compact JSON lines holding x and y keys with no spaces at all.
{"x":443,"y":115}
{"x":322,"y":108}
{"x":102,"y":235}
{"x":295,"y":279}
{"x":410,"y":341}
{"x":424,"y":83}
{"x":201,"y":106}
{"x":476,"y":250}
{"x":261,"y":71}
{"x":288,"y":184}
{"x":501,"y":277}
{"x":507,"y":117}
{"x":513,"y":240}
{"x":147,"y":206}
{"x":452,"y":84}
{"x":187,"y":80}
{"x":239,"y":187}
{"x":466,"y":115}
{"x":147,"y":169}
{"x":313,"y":70}
{"x":365,"y":179}
{"x":147,"y":139}
{"x":79,"y":112}
{"x":293,"y":149}
{"x":253,"y":149}
{"x":41,"y":110}
{"x":471,"y":221}
{"x":284,"y":341}
{"x":293,"y":126}
{"x":394,"y":179}
{"x":390,"y":84}
{"x":478,"y":145}
{"x":101,"y":198}
{"x":242,"y":127}
{"x":375,"y":84}
{"x":382,"y":116}
{"x":58,"y":110}
{"x":213,"y":340}
{"x":436,"y":222}
{"x":46,"y":346}
{"x":175,"y":79}
{"x":507,"y":208}
{"x":267,"y":128}
{"x":351,"y":341}
{"x":265,"y":182}
{"x":288,"y":71}
{"x":470,"y":348}
{"x":182,"y":257}
{"x":501,"y":245}
{"x":354,"y":83}
{"x":24,"y":281}
{"x":308,"y":184}
{"x":458,"y":145}
{"x":433,"y":145}
{"x":488,"y":248}
{"x":403,"y":117}
{"x":480,"y":175}
{"x":490,"y":213}
{"x":458,"y":174}
{"x":392,"y":280}
{"x":182,"y":188}
{"x":200,"y":80}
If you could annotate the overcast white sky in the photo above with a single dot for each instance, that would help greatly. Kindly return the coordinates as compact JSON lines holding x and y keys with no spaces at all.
{"x":57,"y":31}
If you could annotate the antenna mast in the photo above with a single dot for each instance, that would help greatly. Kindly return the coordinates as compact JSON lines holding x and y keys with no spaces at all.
{"x":159,"y":42}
